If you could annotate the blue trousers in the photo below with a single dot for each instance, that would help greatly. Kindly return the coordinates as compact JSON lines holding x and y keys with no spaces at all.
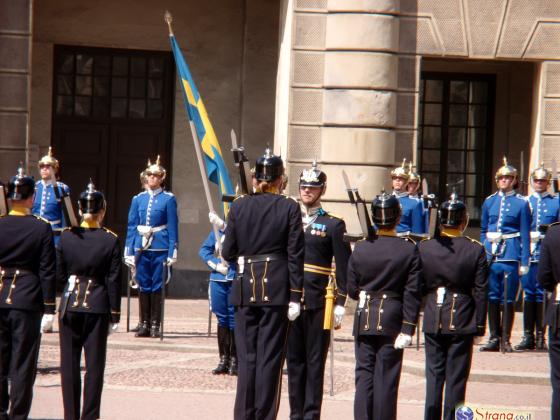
{"x":496,"y":281}
{"x":149,"y":270}
{"x":219,"y":303}
{"x":531,"y":287}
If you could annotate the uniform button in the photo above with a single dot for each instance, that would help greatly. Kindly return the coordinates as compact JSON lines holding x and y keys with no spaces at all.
{"x":381,"y":311}
{"x":251,"y":281}
{"x":265,"y":280}
{"x":452,"y":326}
{"x":367,"y":310}
{"x":368,"y":296}
{"x":249,"y":261}
{"x":384,"y":296}
{"x":266,"y":298}
{"x":454,"y":310}
{"x":379,"y":328}
{"x":252,"y":299}
{"x":455,"y":295}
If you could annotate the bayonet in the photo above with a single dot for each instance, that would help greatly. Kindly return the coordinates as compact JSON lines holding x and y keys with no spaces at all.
{"x":242,"y":162}
{"x":554,"y":176}
{"x":65,"y":203}
{"x":361,"y":208}
{"x":3,"y":202}
{"x":522,"y":183}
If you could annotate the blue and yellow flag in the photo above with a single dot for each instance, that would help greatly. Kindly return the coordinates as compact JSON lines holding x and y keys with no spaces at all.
{"x":216,"y":169}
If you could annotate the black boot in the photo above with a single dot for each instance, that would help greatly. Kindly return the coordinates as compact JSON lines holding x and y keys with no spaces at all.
{"x":144,"y":326}
{"x":507,"y":326}
{"x":494,"y":327}
{"x":541,"y":328}
{"x":156,"y":314}
{"x":233,"y":354}
{"x":224,"y":349}
{"x":137,"y":328}
{"x":528,"y":340}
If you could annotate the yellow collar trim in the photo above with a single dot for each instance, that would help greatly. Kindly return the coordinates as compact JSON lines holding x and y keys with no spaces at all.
{"x":19,"y":211}
{"x":451,"y":233}
{"x":90,"y":225}
{"x":387,"y":232}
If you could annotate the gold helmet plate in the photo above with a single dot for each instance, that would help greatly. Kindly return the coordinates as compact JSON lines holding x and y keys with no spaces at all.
{"x":156,"y":169}
{"x":401,"y":171}
{"x":49,"y":160}
{"x":506,"y":170}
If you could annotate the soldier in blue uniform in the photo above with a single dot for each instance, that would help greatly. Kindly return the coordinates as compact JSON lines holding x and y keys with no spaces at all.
{"x":264,"y":235}
{"x":45,"y":203}
{"x":27,"y":296}
{"x":221,"y":278}
{"x":413,"y":188}
{"x":151,"y":242}
{"x":544,"y":211}
{"x":89,"y":263}
{"x":412,"y":216}
{"x":504,"y":231}
{"x":308,"y":341}
{"x":454,"y":273}
{"x":384,"y":276}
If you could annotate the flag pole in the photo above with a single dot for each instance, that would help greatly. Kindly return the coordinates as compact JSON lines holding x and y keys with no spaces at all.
{"x":201,"y":165}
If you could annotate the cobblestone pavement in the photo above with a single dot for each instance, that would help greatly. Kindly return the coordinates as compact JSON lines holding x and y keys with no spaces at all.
{"x":149,"y":379}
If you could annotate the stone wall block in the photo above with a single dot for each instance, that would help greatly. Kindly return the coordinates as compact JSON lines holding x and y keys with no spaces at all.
{"x":367,"y":6}
{"x":361,"y":70}
{"x":360,"y":107}
{"x":364,"y":32}
{"x":371,"y":146}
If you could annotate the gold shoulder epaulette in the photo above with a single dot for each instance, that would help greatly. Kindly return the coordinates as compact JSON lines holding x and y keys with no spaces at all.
{"x":474,"y":241}
{"x":335,"y":216}
{"x":238,"y":197}
{"x":111,"y":232}
{"x":42,"y":218}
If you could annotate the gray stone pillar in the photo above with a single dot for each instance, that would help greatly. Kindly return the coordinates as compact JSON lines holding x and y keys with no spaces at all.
{"x":15,"y":67}
{"x":344,"y":94}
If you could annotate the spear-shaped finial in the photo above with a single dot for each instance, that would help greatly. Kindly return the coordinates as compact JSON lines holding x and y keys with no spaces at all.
{"x":157,"y":160}
{"x":505,"y":161}
{"x":49,"y":154}
{"x":168,"y":19}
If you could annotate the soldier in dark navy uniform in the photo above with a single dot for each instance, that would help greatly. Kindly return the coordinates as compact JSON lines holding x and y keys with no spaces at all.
{"x":454,"y":274}
{"x":27,"y":291}
{"x":308,"y":341}
{"x":548,"y":277}
{"x":384,"y":276}
{"x":89,"y":264}
{"x":264,"y":235}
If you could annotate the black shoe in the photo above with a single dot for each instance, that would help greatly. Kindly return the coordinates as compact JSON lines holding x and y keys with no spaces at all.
{"x":493,"y":345}
{"x":223,"y":366}
{"x":527,"y":342}
{"x":154,"y":331}
{"x":233,"y":366}
{"x":143,"y":331}
{"x":137,"y":328}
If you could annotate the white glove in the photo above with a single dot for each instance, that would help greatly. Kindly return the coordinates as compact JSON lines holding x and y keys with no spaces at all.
{"x":293,"y":310}
{"x":171,"y":261}
{"x":523,"y":270}
{"x":362,"y":299}
{"x":402,"y":341}
{"x":113,"y":327}
{"x":129,"y":261}
{"x":339,"y":312}
{"x":222,"y":268}
{"x":216,"y":221}
{"x":47,"y":322}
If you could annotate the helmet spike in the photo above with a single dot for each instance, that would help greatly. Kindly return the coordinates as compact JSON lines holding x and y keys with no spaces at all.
{"x":157,"y":160}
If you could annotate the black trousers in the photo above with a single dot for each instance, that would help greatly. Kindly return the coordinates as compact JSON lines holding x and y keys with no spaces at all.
{"x":378,"y":372}
{"x":554,"y":355}
{"x":89,"y":332}
{"x":20,"y":338}
{"x":308,"y":345}
{"x":260,"y":337}
{"x":448,"y":361}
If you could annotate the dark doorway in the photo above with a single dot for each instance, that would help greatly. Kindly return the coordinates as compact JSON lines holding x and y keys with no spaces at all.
{"x":456,"y":119}
{"x":112,"y":110}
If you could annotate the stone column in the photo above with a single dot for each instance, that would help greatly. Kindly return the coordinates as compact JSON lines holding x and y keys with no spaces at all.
{"x":548,"y":124}
{"x":15,"y":68}
{"x":344,"y":95}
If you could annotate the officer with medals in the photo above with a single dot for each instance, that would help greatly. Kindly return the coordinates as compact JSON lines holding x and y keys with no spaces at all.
{"x":89,"y":263}
{"x":384,"y":276}
{"x":264,"y":235}
{"x":548,"y":276}
{"x":46,"y":203}
{"x":308,"y":341}
{"x":27,"y":296}
{"x":544,"y":211}
{"x":221,"y":279}
{"x":454,"y":276}
{"x":412,"y":220}
{"x":151,"y":242}
{"x":504,"y":231}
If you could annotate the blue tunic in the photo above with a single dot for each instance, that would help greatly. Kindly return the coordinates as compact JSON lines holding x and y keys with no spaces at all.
{"x":207,"y":254}
{"x":412,"y":216}
{"x":48,"y":206}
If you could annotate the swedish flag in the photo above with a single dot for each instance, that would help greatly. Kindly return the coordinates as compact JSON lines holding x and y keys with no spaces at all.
{"x":216,"y":169}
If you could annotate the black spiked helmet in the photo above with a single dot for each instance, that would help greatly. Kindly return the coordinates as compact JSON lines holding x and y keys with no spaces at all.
{"x":385,"y":210}
{"x":91,"y":201}
{"x":269,"y":167}
{"x":452,"y":212}
{"x":312,"y":177}
{"x":21,"y":186}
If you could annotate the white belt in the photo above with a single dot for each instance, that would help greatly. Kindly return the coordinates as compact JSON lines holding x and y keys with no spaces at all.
{"x":401,"y":234}
{"x":54,"y":222}
{"x":147,"y":233}
{"x":511,"y":235}
{"x":536,"y":236}
{"x":496,"y":237}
